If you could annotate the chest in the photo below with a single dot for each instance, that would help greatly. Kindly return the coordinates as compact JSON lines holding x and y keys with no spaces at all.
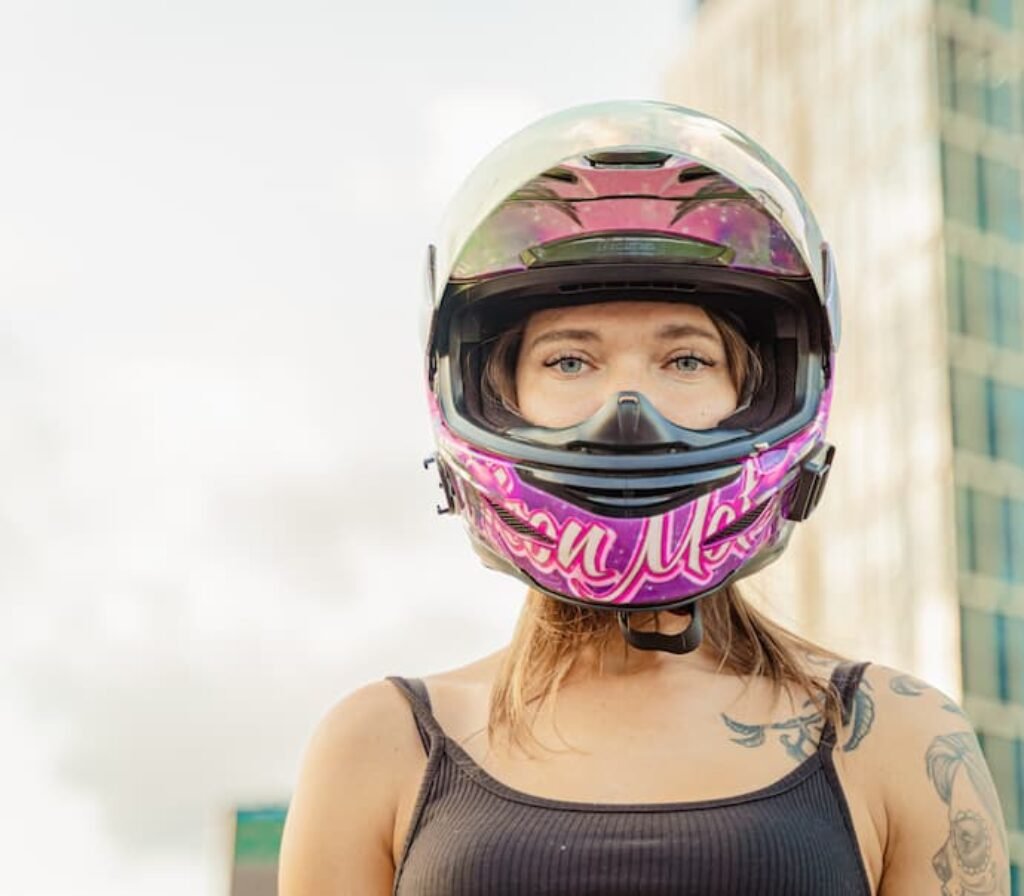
{"x":477,"y":836}
{"x":597,"y":748}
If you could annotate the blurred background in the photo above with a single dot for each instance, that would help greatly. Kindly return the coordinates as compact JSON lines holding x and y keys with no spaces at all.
{"x":213,"y":221}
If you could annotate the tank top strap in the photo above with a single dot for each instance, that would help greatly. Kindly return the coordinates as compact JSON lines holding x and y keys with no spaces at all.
{"x":846,"y":679}
{"x":415,"y":691}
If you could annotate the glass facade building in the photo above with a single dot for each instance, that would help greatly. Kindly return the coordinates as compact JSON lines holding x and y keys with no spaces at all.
{"x":979,"y":52}
{"x":903,"y":122}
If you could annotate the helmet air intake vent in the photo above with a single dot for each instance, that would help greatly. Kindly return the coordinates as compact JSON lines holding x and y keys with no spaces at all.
{"x":520,"y":527}
{"x":625,"y":248}
{"x":626,"y":285}
{"x":737,"y":525}
{"x":627,"y":497}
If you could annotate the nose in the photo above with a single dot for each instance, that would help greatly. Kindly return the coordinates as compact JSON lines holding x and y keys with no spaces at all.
{"x":630,"y":376}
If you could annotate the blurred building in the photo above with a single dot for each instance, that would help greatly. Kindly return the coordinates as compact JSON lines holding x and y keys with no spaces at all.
{"x":903,"y":122}
{"x":256,"y":843}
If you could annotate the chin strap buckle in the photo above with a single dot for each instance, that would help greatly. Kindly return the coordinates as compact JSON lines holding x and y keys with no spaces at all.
{"x":445,"y":485}
{"x":685,"y":641}
{"x":810,"y":483}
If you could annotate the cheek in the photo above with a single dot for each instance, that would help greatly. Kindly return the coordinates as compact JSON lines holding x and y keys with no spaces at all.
{"x":528,"y":392}
{"x":704,"y":407}
{"x":724,"y":398}
{"x":545,"y":401}
{"x":536,"y":403}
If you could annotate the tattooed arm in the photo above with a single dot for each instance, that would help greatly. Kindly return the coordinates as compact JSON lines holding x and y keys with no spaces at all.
{"x":946,"y":831}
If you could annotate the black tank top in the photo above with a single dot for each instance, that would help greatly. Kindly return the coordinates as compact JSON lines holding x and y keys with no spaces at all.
{"x":470,"y":835}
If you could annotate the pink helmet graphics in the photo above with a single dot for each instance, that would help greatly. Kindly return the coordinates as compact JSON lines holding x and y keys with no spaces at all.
{"x":627,"y":201}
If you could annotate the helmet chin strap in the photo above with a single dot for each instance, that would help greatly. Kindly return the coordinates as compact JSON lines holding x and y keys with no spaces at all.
{"x":682,"y":642}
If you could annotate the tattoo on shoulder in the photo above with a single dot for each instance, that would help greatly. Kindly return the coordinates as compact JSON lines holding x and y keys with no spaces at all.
{"x":909,"y":686}
{"x":801,"y":733}
{"x":972,"y":861}
{"x":820,"y":660}
{"x":862,"y":716}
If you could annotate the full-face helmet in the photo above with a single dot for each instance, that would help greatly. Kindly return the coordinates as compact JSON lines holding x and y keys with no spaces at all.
{"x":627,"y":510}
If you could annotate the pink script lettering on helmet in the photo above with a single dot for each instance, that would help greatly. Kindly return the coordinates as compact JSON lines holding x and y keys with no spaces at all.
{"x":579,"y":550}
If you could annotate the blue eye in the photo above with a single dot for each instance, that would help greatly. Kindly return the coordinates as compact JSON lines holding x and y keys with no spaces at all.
{"x":689,"y":363}
{"x":568,"y":365}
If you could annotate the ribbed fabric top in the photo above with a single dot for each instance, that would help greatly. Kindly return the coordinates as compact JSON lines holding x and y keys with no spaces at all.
{"x":470,"y":835}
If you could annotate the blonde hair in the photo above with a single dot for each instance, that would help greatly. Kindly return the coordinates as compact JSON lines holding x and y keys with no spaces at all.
{"x":551,"y":634}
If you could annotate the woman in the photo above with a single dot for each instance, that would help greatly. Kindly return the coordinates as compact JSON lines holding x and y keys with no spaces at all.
{"x":630,"y":357}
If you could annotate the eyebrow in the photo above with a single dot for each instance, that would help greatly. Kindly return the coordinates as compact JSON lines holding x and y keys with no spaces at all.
{"x":669,"y":331}
{"x":556,"y":335}
{"x":678,"y":331}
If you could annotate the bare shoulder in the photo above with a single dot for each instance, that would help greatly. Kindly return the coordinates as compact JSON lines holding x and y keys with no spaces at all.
{"x":357,"y":767}
{"x":894,"y":718}
{"x":371,"y":730}
{"x":368,"y":717}
{"x":944,"y":826}
{"x":908,"y":711}
{"x":460,"y":697}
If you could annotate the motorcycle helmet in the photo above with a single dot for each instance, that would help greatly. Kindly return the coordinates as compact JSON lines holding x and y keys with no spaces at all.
{"x":626,"y":510}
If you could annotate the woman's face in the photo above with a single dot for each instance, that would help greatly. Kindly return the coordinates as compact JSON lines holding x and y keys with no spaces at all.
{"x":573,"y":359}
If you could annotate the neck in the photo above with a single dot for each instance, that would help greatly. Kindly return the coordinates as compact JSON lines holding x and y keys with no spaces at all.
{"x":615,"y":657}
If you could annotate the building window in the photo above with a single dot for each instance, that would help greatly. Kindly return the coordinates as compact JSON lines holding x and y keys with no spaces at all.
{"x":1008,"y":420}
{"x":999,"y":105}
{"x":1013,"y":658}
{"x":970,"y":411}
{"x":960,"y":184}
{"x":979,"y":301}
{"x":964,"y":530}
{"x":1015,"y":537}
{"x":1009,"y":317}
{"x":955,"y":293}
{"x":1019,"y":749}
{"x":1000,"y":207}
{"x":1001,"y":755}
{"x":970,"y":78}
{"x":978,"y":645}
{"x":989,"y":514}
{"x":947,"y":72}
{"x":1001,"y":12}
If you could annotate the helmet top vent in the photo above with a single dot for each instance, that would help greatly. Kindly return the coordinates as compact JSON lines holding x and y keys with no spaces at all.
{"x":695,"y":172}
{"x":561,"y":174}
{"x":628,"y":158}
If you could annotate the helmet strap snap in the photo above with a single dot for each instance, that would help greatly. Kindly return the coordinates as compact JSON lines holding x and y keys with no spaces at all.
{"x":682,"y":642}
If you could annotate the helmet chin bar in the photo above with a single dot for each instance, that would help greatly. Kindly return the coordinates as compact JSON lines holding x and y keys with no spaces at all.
{"x":625,"y":422}
{"x":685,"y":641}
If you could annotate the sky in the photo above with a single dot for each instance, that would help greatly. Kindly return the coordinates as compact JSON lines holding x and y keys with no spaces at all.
{"x":213,"y":517}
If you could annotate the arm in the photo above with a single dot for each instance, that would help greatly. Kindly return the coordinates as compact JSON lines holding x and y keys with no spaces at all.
{"x":946,"y":829}
{"x":339,"y":834}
